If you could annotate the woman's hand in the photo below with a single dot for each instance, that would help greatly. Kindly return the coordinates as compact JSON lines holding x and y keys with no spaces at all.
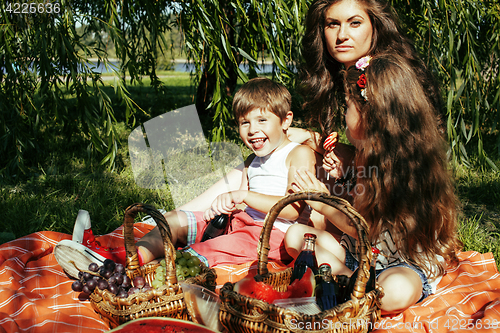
{"x":225,"y":204}
{"x":307,"y":181}
{"x":337,"y":161}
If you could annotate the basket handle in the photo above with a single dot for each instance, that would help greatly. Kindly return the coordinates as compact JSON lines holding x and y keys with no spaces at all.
{"x":130,"y":248}
{"x":336,"y":202}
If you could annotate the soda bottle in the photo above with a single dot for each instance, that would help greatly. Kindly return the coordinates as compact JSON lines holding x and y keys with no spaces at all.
{"x":327,"y":289}
{"x":370,"y":284}
{"x":306,"y":258}
{"x":215,"y":227}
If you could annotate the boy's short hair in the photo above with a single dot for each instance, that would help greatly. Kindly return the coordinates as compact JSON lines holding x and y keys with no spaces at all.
{"x":262,"y":93}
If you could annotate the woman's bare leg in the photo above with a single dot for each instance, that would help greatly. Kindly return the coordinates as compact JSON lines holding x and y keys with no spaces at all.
{"x":328,"y":250}
{"x":402,"y":288}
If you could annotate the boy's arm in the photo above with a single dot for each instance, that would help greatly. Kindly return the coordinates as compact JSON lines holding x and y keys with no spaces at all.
{"x":300,"y":158}
{"x":225,"y":203}
{"x":244,"y":179}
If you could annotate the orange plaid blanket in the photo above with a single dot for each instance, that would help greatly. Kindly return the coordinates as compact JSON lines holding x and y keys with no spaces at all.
{"x":36,"y":295}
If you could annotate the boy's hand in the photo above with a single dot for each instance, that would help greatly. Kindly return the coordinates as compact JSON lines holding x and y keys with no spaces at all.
{"x":225,"y":204}
{"x":307,"y":181}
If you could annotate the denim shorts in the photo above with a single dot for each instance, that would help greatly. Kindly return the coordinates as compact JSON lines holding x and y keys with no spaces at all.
{"x":352,"y":264}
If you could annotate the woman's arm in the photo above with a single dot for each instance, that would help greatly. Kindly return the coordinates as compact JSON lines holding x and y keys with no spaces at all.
{"x":307,"y":181}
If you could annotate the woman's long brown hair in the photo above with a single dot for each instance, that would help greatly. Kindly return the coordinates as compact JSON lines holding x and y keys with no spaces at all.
{"x":404,"y":183}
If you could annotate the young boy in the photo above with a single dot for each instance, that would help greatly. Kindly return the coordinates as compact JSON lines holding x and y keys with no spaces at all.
{"x":262,"y":109}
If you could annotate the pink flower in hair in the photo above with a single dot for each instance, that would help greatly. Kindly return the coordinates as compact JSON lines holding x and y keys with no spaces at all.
{"x":362,"y":63}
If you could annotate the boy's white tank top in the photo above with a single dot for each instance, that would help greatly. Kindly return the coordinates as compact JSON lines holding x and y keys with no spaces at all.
{"x":269,"y":175}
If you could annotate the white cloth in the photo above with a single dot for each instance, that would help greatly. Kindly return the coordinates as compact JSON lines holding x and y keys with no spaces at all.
{"x":269,"y":175}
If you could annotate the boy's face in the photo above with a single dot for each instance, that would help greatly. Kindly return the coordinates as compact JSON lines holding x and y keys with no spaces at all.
{"x":263,"y":132}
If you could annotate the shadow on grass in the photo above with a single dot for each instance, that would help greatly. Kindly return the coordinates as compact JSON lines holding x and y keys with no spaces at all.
{"x":51,"y":201}
{"x":479,"y":193}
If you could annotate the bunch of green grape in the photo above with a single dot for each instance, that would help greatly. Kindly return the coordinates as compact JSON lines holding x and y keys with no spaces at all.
{"x":186,"y":265}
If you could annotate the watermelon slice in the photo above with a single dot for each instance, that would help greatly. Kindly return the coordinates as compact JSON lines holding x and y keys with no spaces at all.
{"x":303,"y":287}
{"x":260,"y":290}
{"x":161,"y":325}
{"x":246,"y":286}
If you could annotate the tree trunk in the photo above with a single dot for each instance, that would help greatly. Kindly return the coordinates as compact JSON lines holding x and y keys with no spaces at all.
{"x":208,"y":79}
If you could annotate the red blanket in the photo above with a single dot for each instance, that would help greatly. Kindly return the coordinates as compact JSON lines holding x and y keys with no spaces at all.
{"x":36,"y":295}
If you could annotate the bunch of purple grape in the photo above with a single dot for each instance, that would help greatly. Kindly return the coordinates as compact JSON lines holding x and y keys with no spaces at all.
{"x":110,"y":276}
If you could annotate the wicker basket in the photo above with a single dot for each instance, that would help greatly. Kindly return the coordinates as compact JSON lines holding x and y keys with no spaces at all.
{"x":244,"y":314}
{"x":166,"y":301}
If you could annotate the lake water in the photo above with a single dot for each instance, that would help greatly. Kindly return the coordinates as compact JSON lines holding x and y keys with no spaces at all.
{"x":180,"y":66}
{"x":184,"y":67}
{"x":187,"y":67}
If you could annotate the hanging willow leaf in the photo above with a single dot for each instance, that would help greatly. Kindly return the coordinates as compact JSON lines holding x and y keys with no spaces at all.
{"x":459,"y":41}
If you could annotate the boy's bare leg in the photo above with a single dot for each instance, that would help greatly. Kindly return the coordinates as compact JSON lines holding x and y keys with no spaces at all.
{"x":151,"y":245}
{"x":230,"y":182}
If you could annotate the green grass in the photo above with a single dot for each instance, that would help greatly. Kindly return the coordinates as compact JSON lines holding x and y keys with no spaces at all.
{"x":479,"y":194}
{"x":71,"y":179}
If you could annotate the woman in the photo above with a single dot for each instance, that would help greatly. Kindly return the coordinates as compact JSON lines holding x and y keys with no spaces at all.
{"x":403,"y":188}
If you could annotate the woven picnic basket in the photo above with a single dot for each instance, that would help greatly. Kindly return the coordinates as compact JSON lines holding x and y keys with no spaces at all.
{"x":245,"y":314}
{"x":166,"y":301}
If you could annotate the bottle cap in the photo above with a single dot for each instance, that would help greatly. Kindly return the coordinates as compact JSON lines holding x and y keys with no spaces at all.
{"x":308,"y":235}
{"x":325,"y":269}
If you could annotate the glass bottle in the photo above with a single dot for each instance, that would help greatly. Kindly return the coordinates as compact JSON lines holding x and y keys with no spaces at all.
{"x":215,"y":227}
{"x":306,"y":258}
{"x":327,"y":289}
{"x":370,"y":284}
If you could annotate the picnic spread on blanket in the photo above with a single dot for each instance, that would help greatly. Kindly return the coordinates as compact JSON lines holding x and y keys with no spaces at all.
{"x":36,"y":295}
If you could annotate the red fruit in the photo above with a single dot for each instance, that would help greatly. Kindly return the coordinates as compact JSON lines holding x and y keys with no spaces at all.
{"x":268,"y":294}
{"x":246,"y":286}
{"x":160,"y":325}
{"x":260,"y":290}
{"x":303,"y":287}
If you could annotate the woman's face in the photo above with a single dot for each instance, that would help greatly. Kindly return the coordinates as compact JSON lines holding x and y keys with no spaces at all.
{"x":348,"y":32}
